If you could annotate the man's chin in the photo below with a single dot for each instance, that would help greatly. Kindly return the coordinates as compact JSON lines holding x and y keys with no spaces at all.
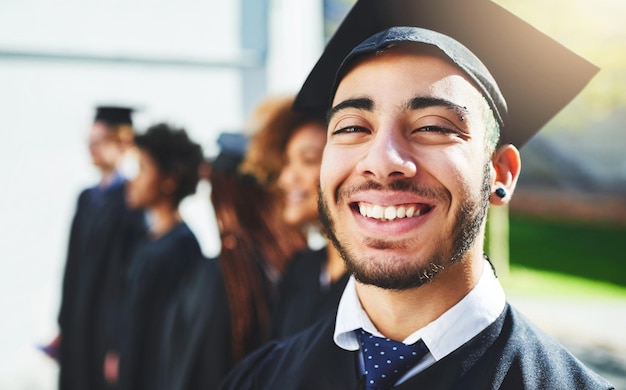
{"x":399,"y":279}
{"x":394,"y":284}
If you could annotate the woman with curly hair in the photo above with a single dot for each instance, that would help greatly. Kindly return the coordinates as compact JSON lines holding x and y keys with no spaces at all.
{"x":168,"y":172}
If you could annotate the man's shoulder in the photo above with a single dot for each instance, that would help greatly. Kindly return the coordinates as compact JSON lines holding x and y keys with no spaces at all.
{"x":84,"y":196}
{"x":540,"y":360}
{"x":511,"y":354}
{"x":524,"y":339}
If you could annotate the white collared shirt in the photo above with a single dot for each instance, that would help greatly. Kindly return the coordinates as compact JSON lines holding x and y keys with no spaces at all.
{"x":471,"y":315}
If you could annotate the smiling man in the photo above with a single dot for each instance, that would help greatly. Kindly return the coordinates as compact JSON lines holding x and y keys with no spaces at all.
{"x":406,"y":173}
{"x":421,"y":142}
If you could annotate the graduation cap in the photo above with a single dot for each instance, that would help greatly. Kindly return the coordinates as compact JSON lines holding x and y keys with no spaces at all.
{"x":114,"y":115}
{"x":536,"y":75}
{"x":233,"y":148}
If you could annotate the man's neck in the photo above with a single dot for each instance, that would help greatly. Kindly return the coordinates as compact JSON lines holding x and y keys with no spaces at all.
{"x":108,"y":175}
{"x":398,"y":314}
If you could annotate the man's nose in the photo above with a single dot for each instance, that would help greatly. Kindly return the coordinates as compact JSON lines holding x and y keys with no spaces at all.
{"x":389,"y":156}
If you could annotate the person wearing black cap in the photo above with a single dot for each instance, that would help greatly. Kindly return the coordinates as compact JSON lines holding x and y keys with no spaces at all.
{"x":164,"y":260}
{"x":111,"y":141}
{"x":428,"y":103}
{"x":103,"y":235}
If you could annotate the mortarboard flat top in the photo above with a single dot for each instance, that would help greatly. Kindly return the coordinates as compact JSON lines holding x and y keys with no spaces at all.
{"x":114,"y":115}
{"x":537,"y":75}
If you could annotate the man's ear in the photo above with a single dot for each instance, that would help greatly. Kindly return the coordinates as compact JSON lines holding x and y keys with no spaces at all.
{"x":505,"y":169}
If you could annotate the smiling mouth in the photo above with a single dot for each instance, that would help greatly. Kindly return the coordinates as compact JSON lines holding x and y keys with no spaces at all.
{"x":390,"y":213}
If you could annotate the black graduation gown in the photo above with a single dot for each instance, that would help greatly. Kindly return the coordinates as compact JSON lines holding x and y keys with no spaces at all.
{"x":302,"y":300}
{"x":158,"y":271}
{"x":103,"y":236}
{"x":509,"y":354}
{"x":197,"y":349}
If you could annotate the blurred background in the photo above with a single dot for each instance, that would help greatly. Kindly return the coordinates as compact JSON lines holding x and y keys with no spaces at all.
{"x":203,"y":65}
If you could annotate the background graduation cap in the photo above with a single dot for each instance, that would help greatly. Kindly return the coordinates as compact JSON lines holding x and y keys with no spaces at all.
{"x":114,"y":115}
{"x":233,"y":147}
{"x":537,"y":75}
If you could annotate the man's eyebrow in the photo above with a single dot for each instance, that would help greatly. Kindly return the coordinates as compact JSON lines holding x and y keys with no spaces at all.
{"x":420,"y":102}
{"x":358,"y":103}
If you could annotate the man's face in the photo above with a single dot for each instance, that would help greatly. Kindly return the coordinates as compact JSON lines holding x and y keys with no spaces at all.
{"x":404,"y":180}
{"x":105,"y":150}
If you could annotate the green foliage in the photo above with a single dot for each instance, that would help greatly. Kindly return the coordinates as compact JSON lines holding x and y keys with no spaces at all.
{"x":531,"y":282}
{"x":591,"y":251}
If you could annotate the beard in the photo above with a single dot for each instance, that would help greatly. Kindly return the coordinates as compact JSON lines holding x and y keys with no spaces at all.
{"x":394,"y":273}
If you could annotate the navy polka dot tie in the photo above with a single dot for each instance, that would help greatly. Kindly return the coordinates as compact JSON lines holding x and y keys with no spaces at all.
{"x":387,"y":360}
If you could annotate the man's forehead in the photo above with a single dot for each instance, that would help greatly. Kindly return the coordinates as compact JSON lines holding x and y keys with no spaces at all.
{"x":428,"y":75}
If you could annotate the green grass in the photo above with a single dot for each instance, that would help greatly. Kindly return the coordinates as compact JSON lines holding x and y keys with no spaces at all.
{"x":532,"y":282}
{"x":587,"y":250}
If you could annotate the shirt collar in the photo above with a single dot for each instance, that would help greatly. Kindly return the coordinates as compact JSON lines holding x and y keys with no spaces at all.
{"x":471,"y":315}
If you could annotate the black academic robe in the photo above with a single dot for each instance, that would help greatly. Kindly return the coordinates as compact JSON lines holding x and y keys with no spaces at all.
{"x":509,"y":354}
{"x":103,"y":236}
{"x":160,"y":269}
{"x":196,"y":342}
{"x":302,"y":300}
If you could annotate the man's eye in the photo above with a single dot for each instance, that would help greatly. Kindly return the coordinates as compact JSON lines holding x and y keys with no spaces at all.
{"x":350,"y":130}
{"x":434,"y":129}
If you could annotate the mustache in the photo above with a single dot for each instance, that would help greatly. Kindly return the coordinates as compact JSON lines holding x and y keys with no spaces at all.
{"x":397,"y":185}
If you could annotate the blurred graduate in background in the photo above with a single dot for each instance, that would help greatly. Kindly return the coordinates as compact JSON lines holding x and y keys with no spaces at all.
{"x":256,"y":244}
{"x":103,"y":235}
{"x":285,"y":153}
{"x":164,"y":260}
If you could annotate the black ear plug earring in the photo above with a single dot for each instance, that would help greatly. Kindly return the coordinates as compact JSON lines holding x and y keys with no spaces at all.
{"x":500,"y":193}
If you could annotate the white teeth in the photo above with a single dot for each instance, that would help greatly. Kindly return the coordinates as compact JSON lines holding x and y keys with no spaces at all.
{"x":388,"y":213}
{"x":377,"y":212}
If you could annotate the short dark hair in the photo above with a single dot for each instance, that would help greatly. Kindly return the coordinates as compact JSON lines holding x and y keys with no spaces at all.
{"x":175,"y":154}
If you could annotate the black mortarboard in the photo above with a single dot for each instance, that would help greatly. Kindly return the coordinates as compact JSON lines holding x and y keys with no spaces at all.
{"x":233,"y":148}
{"x":537,"y":75}
{"x":113,"y":115}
